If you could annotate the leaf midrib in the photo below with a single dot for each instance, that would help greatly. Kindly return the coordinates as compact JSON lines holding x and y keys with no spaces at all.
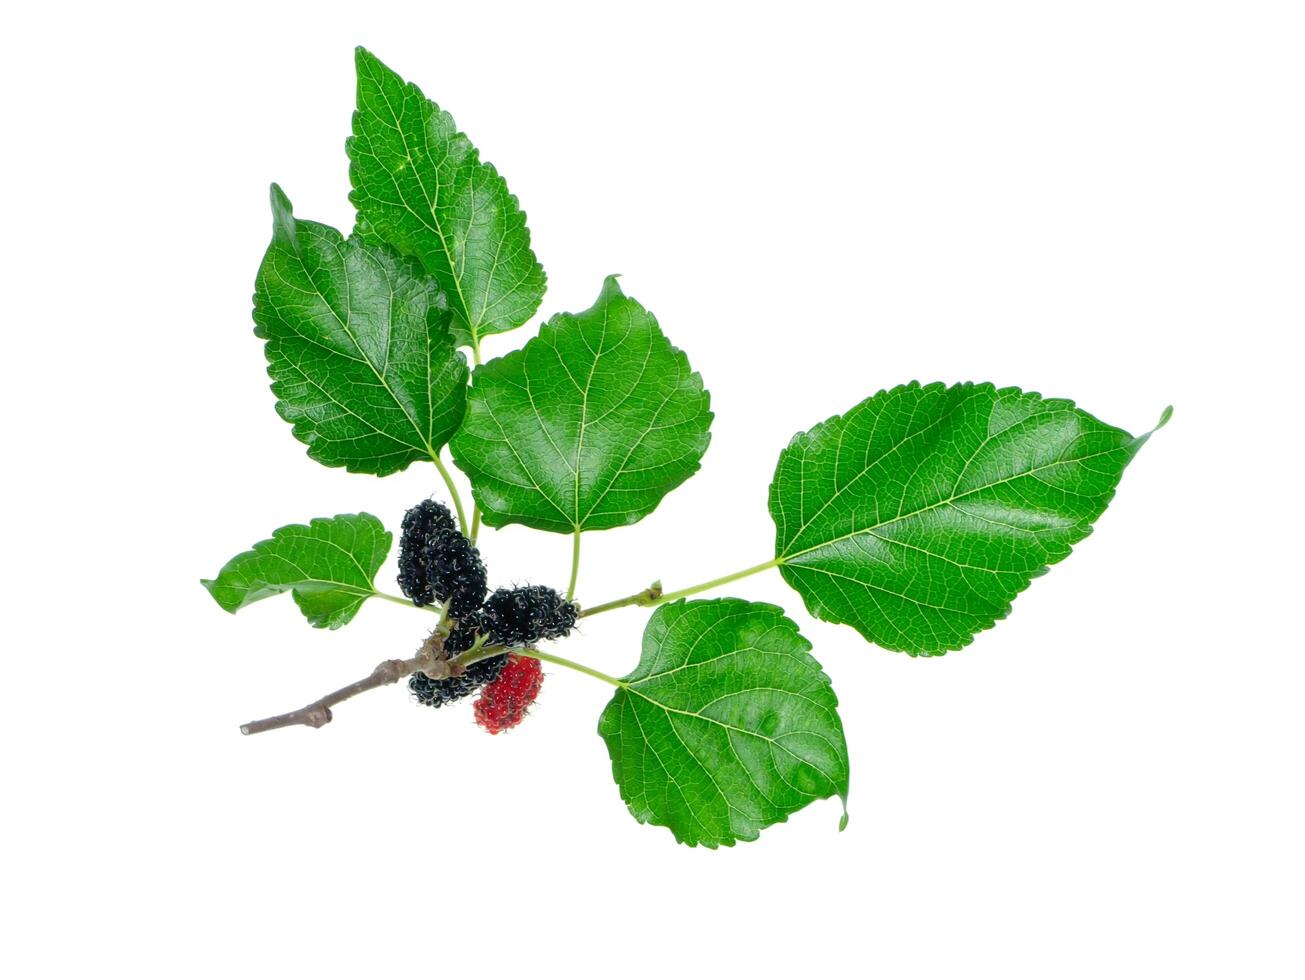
{"x":941,"y":503}
{"x":730,"y":805}
{"x":584,"y":412}
{"x":630,"y":687}
{"x":454,"y":273}
{"x":344,"y":322}
{"x":868,"y":466}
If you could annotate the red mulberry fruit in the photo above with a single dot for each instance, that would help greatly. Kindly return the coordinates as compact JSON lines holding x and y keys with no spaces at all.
{"x":504,"y":702}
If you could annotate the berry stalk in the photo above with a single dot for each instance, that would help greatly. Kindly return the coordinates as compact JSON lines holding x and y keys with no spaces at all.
{"x":551,"y":658}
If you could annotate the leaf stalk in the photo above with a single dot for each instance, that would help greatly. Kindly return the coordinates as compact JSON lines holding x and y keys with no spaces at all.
{"x":575,"y":564}
{"x":453,"y":492}
{"x":653,"y":595}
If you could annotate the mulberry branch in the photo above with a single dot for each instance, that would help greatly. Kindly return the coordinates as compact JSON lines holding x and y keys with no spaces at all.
{"x":429,"y":659}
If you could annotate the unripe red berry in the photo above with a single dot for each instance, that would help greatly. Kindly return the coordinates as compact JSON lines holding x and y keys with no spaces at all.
{"x":504,"y":702}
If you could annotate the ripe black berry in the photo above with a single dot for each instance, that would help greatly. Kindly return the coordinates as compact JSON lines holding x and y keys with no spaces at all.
{"x":458,"y":575}
{"x":437,"y":562}
{"x":518,"y":617}
{"x":437,"y":693}
{"x":420,"y":526}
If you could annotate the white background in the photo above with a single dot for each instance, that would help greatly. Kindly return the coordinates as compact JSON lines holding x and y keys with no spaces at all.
{"x":1101,"y":201}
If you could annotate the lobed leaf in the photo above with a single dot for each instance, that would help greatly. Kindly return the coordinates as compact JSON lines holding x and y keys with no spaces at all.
{"x":329,"y":565}
{"x":727,"y":726}
{"x":358,"y":348}
{"x":920,"y":514}
{"x":421,"y":187}
{"x":587,"y":426}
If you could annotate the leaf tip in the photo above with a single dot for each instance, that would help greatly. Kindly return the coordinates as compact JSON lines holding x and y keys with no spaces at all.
{"x":366,"y":63}
{"x":1165,"y":416}
{"x":277,"y":195}
{"x":611,"y":288}
{"x":283,"y":217}
{"x":212,"y":586}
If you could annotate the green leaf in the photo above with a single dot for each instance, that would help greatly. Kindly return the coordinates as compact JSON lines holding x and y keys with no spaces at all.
{"x":920,"y":514}
{"x":329,"y":565}
{"x":727,"y":725}
{"x":358,"y":348}
{"x":420,"y":186}
{"x":587,"y":426}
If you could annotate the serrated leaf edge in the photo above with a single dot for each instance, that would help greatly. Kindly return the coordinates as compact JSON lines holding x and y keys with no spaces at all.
{"x":475,"y":332}
{"x":610,"y":290}
{"x":817,"y":610}
{"x":212,"y":586}
{"x":284,"y":225}
{"x":627,"y":685}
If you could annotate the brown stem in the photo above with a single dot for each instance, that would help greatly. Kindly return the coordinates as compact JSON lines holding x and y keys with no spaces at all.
{"x":430,"y":658}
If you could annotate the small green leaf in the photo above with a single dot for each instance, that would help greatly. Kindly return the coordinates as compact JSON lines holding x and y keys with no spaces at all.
{"x":920,"y":514}
{"x":587,"y":426}
{"x":329,"y":565}
{"x":726,"y":726}
{"x":420,"y":186}
{"x":358,"y":348}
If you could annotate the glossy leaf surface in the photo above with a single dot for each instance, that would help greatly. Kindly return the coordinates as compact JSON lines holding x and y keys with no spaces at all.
{"x":421,"y":187}
{"x":329,"y":565}
{"x":587,"y":426}
{"x":726,"y":726}
{"x":358,"y":347}
{"x":920,"y":514}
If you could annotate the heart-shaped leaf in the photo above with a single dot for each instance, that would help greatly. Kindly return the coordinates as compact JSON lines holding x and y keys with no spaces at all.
{"x":726,"y":726}
{"x":329,"y":565}
{"x":358,"y":348}
{"x":420,"y":186}
{"x":920,"y":514}
{"x":587,"y":426}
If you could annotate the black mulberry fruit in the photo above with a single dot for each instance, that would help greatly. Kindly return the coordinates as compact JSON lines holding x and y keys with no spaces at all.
{"x":518,"y":617}
{"x":458,"y":576}
{"x":436,"y":562}
{"x":420,"y":526}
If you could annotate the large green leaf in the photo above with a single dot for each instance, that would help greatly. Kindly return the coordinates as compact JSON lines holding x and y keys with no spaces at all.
{"x":421,"y":186}
{"x":358,"y":347}
{"x":588,"y":426}
{"x":329,"y":565}
{"x":726,"y":726}
{"x":920,"y":514}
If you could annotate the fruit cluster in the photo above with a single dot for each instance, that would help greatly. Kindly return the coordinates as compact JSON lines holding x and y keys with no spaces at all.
{"x":438,"y":563}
